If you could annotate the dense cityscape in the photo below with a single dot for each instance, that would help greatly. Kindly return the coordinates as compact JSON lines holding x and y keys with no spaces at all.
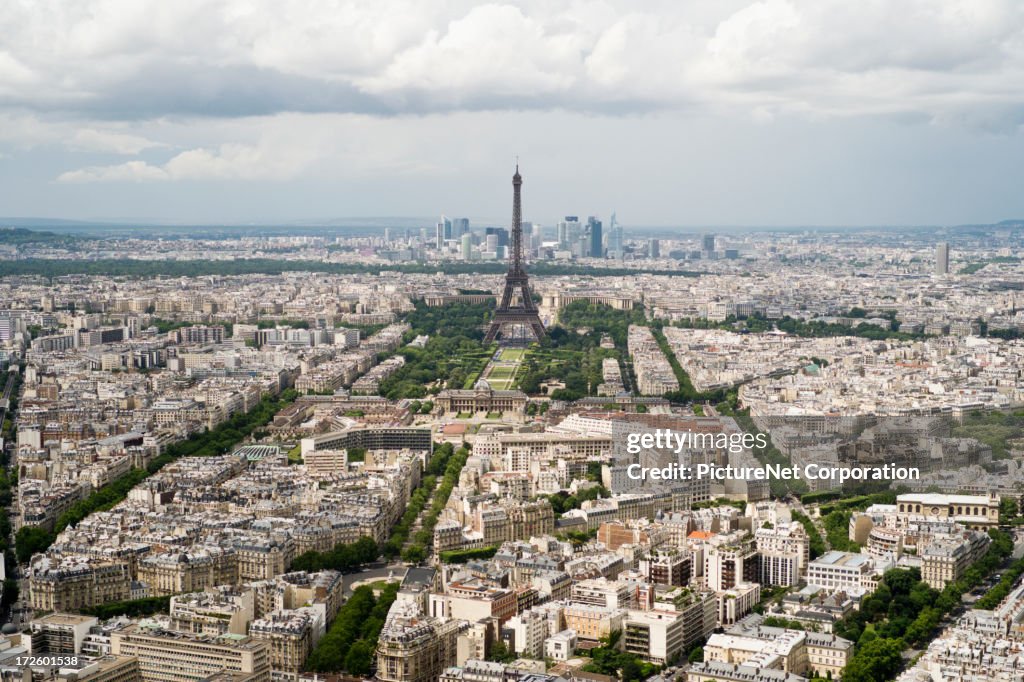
{"x":315,"y":454}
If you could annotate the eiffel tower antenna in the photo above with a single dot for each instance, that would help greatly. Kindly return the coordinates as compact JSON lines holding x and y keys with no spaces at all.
{"x":524,"y":315}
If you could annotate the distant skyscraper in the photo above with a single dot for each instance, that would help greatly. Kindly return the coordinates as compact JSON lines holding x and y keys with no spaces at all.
{"x":440,"y":238}
{"x":387,"y":234}
{"x":500,"y":233}
{"x":594,"y":232}
{"x":653,"y":248}
{"x":467,"y":246}
{"x":615,"y":248}
{"x":708,"y":245}
{"x":942,"y":258}
{"x":459,"y":227}
{"x":568,"y":232}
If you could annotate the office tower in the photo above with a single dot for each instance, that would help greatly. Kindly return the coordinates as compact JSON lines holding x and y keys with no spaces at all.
{"x":387,"y":234}
{"x":500,"y":233}
{"x":467,"y":246}
{"x":440,"y":238}
{"x":594,"y":233}
{"x":446,"y":223}
{"x":423,"y":236}
{"x":458,"y":227}
{"x":524,"y":315}
{"x":491,"y":242}
{"x":562,"y":233}
{"x":942,"y":258}
{"x":615,"y":247}
{"x":708,"y":245}
{"x":568,"y":232}
{"x":653,"y":248}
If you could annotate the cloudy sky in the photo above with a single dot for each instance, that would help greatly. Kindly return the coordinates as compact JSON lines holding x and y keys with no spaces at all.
{"x":683,"y":112}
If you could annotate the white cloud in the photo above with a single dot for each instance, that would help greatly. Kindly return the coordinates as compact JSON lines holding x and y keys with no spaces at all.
{"x":90,"y":139}
{"x":226,"y":162}
{"x":131,"y":171}
{"x":942,"y":59}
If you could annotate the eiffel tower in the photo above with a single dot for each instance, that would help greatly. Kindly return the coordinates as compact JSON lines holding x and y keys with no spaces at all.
{"x":523,"y":315}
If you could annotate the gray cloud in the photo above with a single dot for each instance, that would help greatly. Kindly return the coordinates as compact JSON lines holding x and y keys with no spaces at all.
{"x":124,"y":59}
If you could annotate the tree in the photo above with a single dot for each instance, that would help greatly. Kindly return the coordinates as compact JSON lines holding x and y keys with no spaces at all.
{"x":414,"y":554}
{"x":630,"y":670}
{"x":359,"y":659}
{"x":879,"y":659}
{"x":31,"y":540}
{"x":500,"y":653}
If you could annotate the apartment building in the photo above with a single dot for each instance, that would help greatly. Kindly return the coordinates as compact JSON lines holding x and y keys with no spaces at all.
{"x":414,"y":647}
{"x":290,"y":636}
{"x":74,"y":583}
{"x":785,"y":551}
{"x":667,"y":566}
{"x":189,"y":571}
{"x":656,"y":636}
{"x":214,"y":612}
{"x":945,"y":560}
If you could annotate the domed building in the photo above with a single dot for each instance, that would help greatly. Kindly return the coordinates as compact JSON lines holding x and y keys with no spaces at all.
{"x":481,"y":398}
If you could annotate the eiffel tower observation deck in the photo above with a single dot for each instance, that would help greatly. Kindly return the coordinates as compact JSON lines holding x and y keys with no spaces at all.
{"x":516,"y":320}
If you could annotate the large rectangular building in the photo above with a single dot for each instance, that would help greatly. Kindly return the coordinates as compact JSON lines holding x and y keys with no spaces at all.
{"x":840,"y":571}
{"x":171,"y":656}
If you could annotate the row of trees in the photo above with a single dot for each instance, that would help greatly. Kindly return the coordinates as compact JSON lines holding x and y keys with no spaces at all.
{"x":1005,"y":584}
{"x":807,"y":329}
{"x":8,"y":482}
{"x":779,"y":487}
{"x":124,"y":267}
{"x":837,"y":527}
{"x":452,"y":464}
{"x":343,"y":557}
{"x":817,"y":542}
{"x":350,"y":642}
{"x":418,"y":501}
